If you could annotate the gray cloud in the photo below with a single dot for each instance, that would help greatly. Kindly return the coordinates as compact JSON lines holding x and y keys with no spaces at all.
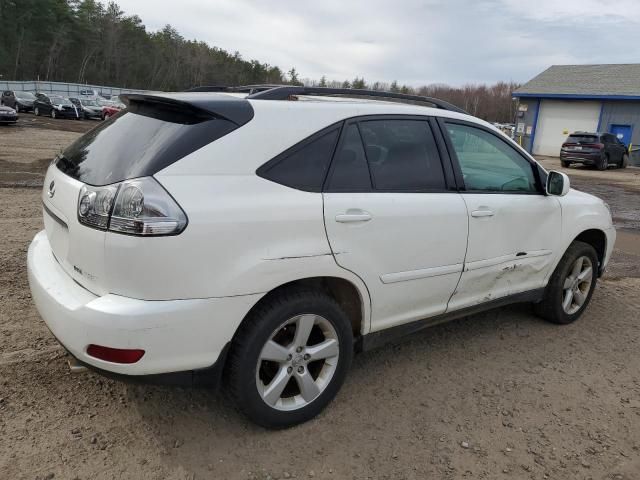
{"x":414,"y":42}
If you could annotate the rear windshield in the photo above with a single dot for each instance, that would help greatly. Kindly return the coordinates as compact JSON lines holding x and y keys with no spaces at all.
{"x":582,"y":139}
{"x":139,"y":142}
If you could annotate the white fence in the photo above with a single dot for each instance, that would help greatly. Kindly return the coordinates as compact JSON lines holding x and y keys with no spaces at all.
{"x":64,"y":89}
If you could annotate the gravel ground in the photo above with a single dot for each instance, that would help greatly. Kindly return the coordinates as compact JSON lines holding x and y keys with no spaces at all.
{"x":501,"y":395}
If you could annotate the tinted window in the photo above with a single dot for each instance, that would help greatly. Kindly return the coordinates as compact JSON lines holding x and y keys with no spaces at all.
{"x":402,"y":155}
{"x":582,"y":139}
{"x":303,"y":166}
{"x":350,"y":172}
{"x":139,"y":142}
{"x":488,"y":163}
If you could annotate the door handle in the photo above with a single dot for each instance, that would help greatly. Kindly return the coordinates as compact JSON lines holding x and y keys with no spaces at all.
{"x":352,"y":216}
{"x":482,"y":213}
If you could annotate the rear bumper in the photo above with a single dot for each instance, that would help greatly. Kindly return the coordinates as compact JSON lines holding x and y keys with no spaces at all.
{"x":585,"y":158}
{"x":176,"y":335}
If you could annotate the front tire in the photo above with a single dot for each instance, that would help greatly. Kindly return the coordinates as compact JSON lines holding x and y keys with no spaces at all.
{"x":571,"y":286}
{"x":53,"y":113}
{"x":36,"y":112}
{"x":290,"y":358}
{"x":565,"y":164}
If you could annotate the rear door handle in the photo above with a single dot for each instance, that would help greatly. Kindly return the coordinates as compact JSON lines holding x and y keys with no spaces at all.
{"x":482,"y":213}
{"x":352,"y":216}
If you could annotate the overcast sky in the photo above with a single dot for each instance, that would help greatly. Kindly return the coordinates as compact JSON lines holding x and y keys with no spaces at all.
{"x":416,"y":42}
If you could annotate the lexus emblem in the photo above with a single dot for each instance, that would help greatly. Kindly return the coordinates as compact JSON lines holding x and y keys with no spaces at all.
{"x":52,"y":189}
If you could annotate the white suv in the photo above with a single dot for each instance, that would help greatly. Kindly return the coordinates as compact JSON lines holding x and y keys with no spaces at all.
{"x":270,"y":236}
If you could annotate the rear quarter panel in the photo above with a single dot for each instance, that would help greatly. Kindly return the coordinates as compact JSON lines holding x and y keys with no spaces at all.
{"x":245,"y":235}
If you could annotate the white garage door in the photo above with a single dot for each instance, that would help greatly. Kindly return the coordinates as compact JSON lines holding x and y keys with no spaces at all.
{"x":557,"y":118}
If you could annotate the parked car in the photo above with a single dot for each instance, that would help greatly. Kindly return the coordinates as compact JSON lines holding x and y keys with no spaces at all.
{"x":271,"y":239}
{"x":55,"y":106}
{"x":8,"y":115}
{"x":89,"y":107}
{"x":110,"y":108}
{"x":89,"y":93}
{"x":18,"y":100}
{"x":598,"y":149}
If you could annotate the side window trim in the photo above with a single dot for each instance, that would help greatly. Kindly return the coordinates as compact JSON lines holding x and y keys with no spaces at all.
{"x":444,"y":158}
{"x":442,"y":121}
{"x":332,"y":165}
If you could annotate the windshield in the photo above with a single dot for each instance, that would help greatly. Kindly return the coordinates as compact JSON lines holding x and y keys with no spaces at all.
{"x":88,"y":103}
{"x":25,"y":95}
{"x":60,"y":101}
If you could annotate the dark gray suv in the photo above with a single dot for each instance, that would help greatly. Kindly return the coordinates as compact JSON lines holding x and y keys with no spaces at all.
{"x":597,"y":149}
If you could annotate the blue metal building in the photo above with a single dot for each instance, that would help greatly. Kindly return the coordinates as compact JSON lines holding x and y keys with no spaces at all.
{"x":568,"y":98}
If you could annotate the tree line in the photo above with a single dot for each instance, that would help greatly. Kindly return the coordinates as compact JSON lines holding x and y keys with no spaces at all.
{"x":87,"y":41}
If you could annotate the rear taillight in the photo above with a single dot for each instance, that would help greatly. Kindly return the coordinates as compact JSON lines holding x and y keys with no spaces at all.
{"x":134,"y":207}
{"x":115,"y":355}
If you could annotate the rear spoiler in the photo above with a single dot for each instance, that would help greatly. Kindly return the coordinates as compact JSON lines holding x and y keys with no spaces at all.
{"x":235,"y":110}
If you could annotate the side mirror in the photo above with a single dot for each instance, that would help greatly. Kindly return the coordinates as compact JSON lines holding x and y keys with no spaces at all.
{"x":557,"y":184}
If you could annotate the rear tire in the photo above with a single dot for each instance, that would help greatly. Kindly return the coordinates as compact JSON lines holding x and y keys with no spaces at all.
{"x":274,"y":347}
{"x":625,"y":161}
{"x":604,"y":163}
{"x":571,"y":286}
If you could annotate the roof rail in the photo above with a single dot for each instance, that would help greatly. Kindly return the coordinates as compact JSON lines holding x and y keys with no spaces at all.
{"x":250,"y":89}
{"x":210,"y":88}
{"x":278,"y":92}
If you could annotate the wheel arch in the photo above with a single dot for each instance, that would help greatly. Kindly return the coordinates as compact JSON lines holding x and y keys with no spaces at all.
{"x":351,"y":298}
{"x":598,"y":240}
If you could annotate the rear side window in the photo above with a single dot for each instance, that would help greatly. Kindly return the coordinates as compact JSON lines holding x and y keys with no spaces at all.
{"x":140,"y":141}
{"x":402,"y":155}
{"x":305,"y":165}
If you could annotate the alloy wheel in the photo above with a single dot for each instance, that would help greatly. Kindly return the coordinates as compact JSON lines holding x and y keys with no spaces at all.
{"x":297,"y":362}
{"x":577,"y":285}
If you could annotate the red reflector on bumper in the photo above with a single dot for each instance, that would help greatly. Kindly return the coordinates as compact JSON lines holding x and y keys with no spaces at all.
{"x":115,"y":355}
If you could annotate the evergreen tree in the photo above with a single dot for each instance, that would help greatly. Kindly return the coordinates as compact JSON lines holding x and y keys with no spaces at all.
{"x":359,"y":83}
